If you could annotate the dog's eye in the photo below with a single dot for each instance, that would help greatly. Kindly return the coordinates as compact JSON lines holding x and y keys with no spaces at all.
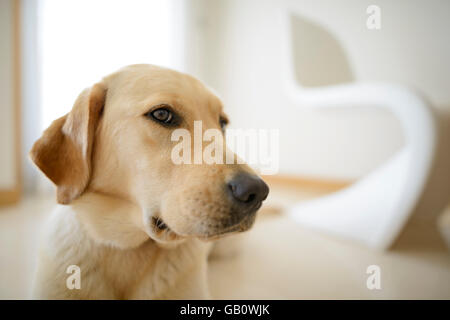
{"x":162,"y":115}
{"x":223,"y":123}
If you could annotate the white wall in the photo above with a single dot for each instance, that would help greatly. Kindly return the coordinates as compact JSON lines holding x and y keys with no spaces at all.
{"x":7,"y":146}
{"x":243,"y":61}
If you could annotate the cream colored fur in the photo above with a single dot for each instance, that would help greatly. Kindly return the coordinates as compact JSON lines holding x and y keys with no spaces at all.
{"x":149,"y":271}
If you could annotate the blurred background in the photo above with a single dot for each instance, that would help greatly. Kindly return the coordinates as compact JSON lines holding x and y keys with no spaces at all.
{"x":52,"y":49}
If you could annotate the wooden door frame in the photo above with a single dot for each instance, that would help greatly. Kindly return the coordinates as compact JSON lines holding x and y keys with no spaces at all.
{"x":13,"y":195}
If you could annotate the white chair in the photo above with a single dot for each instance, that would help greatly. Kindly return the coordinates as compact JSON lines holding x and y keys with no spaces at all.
{"x":374,"y":209}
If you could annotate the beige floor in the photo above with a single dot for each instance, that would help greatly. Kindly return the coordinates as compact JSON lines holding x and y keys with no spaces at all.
{"x":276,"y":260}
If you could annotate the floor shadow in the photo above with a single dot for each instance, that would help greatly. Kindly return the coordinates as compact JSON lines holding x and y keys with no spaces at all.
{"x":422,"y":230}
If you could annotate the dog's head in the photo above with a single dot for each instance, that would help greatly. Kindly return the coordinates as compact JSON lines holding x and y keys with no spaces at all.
{"x":118,"y":141}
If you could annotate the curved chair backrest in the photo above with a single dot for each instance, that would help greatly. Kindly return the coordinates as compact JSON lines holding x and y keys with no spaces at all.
{"x":317,"y":57}
{"x":374,"y":209}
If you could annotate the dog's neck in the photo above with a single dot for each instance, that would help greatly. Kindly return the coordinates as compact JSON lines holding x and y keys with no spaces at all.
{"x":111,"y":221}
{"x":106,"y":234}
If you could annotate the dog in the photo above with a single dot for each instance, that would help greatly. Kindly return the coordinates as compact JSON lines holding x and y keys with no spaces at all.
{"x":131,"y":221}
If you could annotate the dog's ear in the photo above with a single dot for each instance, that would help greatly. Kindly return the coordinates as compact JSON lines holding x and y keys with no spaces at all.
{"x":63,"y":153}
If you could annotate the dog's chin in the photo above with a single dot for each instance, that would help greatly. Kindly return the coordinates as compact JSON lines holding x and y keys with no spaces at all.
{"x":161,"y":232}
{"x":245,"y":224}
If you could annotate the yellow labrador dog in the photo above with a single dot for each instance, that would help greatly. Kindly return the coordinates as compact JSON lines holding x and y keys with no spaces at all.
{"x":134,"y":223}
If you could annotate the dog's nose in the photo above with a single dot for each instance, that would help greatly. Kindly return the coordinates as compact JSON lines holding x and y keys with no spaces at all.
{"x":248,"y":189}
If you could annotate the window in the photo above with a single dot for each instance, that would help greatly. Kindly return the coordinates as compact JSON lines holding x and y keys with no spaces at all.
{"x":82,"y":41}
